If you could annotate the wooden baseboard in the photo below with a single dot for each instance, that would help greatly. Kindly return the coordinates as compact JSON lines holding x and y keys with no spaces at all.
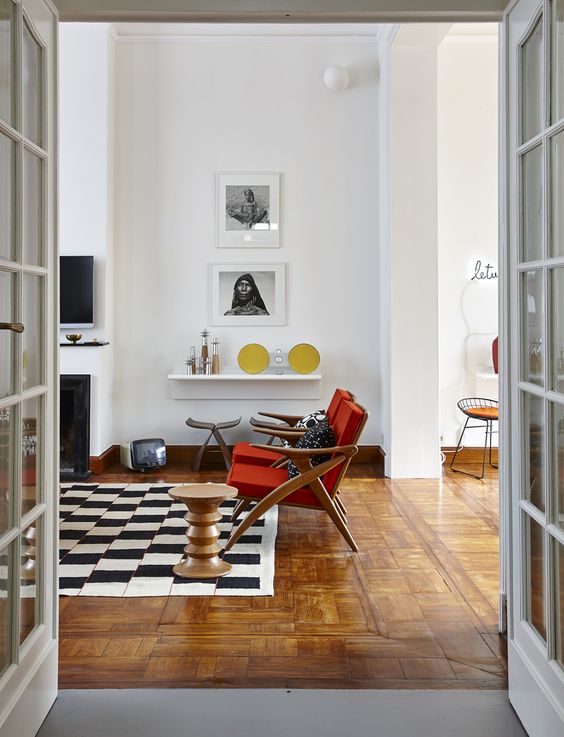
{"x":372,"y":454}
{"x":98,"y":464}
{"x":473,"y":454}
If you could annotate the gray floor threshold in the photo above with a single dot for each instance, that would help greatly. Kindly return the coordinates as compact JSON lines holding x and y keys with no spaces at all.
{"x":280,"y":713}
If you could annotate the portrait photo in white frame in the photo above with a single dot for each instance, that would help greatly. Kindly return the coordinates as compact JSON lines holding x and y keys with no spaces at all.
{"x":248,"y":294}
{"x":248,"y":210}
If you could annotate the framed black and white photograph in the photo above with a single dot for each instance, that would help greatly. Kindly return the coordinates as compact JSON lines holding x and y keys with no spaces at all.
{"x":248,"y":294}
{"x":248,"y":210}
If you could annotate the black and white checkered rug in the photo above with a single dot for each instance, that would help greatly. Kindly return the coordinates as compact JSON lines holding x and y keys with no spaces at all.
{"x":123,"y":539}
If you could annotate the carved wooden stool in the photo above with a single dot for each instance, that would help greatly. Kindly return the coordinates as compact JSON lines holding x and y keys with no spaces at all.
{"x":214,"y":429}
{"x":203,"y":500}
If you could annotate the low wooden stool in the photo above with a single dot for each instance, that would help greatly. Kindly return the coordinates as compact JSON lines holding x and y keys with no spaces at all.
{"x":214,"y":429}
{"x":203,"y":501}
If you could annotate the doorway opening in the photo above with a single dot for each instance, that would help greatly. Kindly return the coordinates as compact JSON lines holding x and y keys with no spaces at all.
{"x":413,"y":608}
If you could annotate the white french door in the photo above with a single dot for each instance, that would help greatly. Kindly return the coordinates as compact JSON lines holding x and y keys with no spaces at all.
{"x":534,"y":397}
{"x":28,"y":365}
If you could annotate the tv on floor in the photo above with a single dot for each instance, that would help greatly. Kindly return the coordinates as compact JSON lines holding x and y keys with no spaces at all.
{"x":77,"y":291}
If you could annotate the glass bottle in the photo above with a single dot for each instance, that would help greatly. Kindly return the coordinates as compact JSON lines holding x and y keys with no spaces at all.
{"x":215,"y":356}
{"x":204,"y":354}
{"x":191,"y":361}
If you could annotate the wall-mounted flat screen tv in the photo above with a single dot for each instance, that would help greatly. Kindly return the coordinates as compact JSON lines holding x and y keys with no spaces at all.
{"x":77,"y":292}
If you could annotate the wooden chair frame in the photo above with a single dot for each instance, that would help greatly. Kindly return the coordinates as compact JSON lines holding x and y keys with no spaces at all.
{"x":297,"y":431}
{"x":308,"y":476}
{"x":285,"y":421}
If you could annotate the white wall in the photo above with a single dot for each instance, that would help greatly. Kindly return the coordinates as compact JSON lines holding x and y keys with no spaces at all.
{"x":222,"y":99}
{"x":467,"y":216}
{"x":86,"y":178}
{"x":190,"y":107}
{"x":413,"y":445}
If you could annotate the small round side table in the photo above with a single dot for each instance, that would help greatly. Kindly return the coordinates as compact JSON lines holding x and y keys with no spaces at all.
{"x":203,"y":501}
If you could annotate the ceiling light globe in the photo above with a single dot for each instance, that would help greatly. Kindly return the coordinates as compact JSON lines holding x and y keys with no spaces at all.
{"x":336,"y":78}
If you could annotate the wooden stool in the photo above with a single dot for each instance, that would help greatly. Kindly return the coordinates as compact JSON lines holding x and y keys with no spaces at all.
{"x":203,"y":500}
{"x":214,"y":429}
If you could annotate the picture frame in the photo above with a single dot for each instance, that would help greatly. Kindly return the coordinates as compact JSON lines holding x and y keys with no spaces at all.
{"x":248,"y":294}
{"x":248,"y":210}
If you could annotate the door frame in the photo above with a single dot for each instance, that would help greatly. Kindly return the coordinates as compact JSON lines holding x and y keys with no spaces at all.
{"x":529,"y":689}
{"x":96,"y":15}
{"x":30,"y":684}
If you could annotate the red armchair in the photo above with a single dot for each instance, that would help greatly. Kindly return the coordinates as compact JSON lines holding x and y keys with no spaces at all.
{"x":315,"y":487}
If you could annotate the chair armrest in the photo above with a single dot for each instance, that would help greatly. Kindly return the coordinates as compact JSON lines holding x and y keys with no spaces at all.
{"x":347,"y":450}
{"x":290,"y":419}
{"x":289,"y":434}
{"x":273,"y":425}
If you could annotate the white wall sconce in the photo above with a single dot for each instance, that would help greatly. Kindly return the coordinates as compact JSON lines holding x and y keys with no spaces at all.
{"x":336,"y":78}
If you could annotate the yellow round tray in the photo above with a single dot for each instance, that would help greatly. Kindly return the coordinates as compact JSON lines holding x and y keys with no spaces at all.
{"x":303,"y":358}
{"x":253,"y":358}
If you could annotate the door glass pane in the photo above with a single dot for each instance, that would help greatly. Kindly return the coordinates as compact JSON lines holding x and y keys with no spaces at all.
{"x":556,"y":240}
{"x":32,"y":210}
{"x":32,"y":356}
{"x":535,"y":552}
{"x":531,"y":205}
{"x":559,"y":572}
{"x":7,"y":337}
{"x":531,"y":83}
{"x":31,"y":549}
{"x":557,"y":69}
{"x":31,"y":87}
{"x":5,"y":608}
{"x":7,"y":192}
{"x":31,"y":477}
{"x":7,"y":425}
{"x":533,"y":443}
{"x":532,"y":328}
{"x":557,"y":483}
{"x":557,"y":330}
{"x":6,"y":57}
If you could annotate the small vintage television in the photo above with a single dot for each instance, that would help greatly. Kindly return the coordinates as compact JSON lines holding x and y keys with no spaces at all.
{"x":144,"y":454}
{"x":77,"y":291}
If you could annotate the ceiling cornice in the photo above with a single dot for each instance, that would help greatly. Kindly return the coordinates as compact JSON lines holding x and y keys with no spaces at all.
{"x":281,"y":11}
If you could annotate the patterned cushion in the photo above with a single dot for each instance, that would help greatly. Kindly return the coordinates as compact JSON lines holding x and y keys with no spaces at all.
{"x":308,"y":421}
{"x":319,"y":436}
{"x":312,"y":419}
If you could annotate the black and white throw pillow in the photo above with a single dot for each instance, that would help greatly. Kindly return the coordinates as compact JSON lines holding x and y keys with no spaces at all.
{"x":319,"y":436}
{"x":312,"y":419}
{"x":308,"y":421}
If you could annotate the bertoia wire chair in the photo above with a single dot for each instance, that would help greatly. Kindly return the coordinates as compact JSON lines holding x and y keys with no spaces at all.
{"x":484,"y":411}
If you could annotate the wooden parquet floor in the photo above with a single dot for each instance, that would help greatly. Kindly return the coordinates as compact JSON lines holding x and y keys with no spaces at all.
{"x":415,"y":608}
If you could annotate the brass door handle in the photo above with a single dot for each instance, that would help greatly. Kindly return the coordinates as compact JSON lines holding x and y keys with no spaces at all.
{"x":16,"y":327}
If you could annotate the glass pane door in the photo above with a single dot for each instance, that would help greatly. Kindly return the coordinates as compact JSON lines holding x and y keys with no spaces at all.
{"x":534,"y":479}
{"x":28,"y":385}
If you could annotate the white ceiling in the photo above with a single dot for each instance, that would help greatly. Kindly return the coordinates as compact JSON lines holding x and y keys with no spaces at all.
{"x":297,"y":11}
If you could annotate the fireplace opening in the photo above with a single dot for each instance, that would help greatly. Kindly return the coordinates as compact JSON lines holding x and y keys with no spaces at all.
{"x":75,"y":426}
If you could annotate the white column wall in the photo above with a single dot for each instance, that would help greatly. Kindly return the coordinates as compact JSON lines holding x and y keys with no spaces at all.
{"x":86,"y":115}
{"x":414,"y":407}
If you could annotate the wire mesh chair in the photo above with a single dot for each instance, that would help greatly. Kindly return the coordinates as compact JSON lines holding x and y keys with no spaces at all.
{"x":485,"y":411}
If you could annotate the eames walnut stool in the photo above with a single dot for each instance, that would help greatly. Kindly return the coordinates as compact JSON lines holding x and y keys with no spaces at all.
{"x":203,"y":500}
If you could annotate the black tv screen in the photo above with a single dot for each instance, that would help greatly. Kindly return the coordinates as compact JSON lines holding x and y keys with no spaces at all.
{"x":77,"y":291}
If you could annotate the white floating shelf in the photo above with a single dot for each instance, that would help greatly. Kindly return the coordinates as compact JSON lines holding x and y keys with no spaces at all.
{"x":245,"y":386}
